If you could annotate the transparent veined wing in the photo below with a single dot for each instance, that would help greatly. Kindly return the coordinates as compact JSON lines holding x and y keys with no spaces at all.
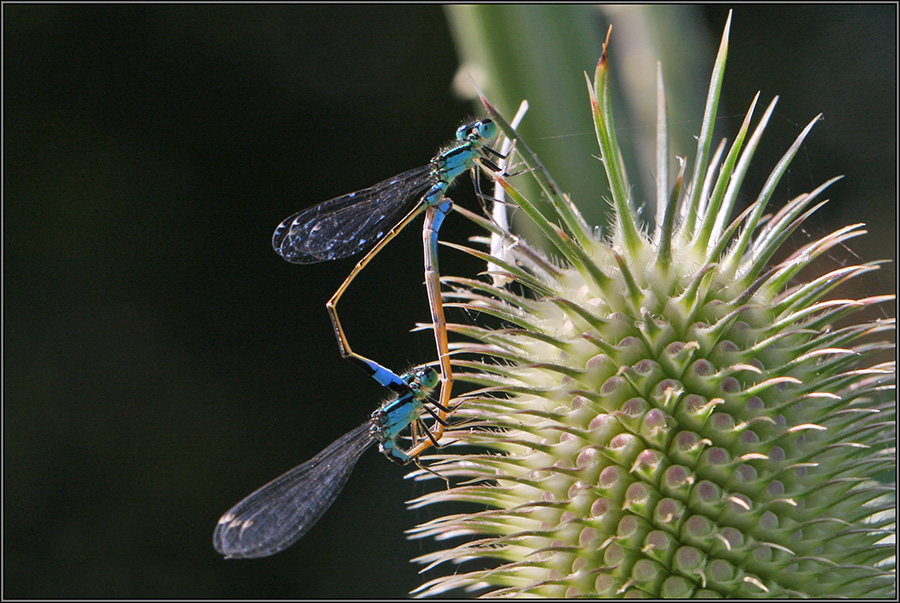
{"x":281,"y":512}
{"x":348,"y":224}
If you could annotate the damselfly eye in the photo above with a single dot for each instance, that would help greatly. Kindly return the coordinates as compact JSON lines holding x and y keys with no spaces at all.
{"x":486,"y":129}
{"x":427,"y":378}
{"x":463,"y":132}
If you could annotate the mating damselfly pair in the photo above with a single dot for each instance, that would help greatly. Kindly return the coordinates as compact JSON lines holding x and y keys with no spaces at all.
{"x":282,"y":511}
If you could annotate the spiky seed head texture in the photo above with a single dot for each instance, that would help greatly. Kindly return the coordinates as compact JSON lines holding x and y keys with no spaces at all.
{"x":669,"y":414}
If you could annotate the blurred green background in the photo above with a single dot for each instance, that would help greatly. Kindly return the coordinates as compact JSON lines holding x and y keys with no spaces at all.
{"x":161,"y":361}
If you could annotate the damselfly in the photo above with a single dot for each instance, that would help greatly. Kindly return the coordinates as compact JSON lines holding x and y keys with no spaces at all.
{"x":281,"y":512}
{"x":348,"y":224}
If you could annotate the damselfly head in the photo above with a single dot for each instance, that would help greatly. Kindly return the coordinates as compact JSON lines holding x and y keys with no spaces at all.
{"x":421,"y":380}
{"x":481,"y":130}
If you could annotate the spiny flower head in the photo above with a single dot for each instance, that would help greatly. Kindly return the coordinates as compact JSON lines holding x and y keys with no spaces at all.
{"x":668,"y":414}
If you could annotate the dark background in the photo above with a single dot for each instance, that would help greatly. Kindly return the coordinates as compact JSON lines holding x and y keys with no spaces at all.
{"x":161,"y":361}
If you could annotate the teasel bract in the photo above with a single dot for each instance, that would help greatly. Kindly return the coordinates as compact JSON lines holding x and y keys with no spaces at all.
{"x":668,"y":412}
